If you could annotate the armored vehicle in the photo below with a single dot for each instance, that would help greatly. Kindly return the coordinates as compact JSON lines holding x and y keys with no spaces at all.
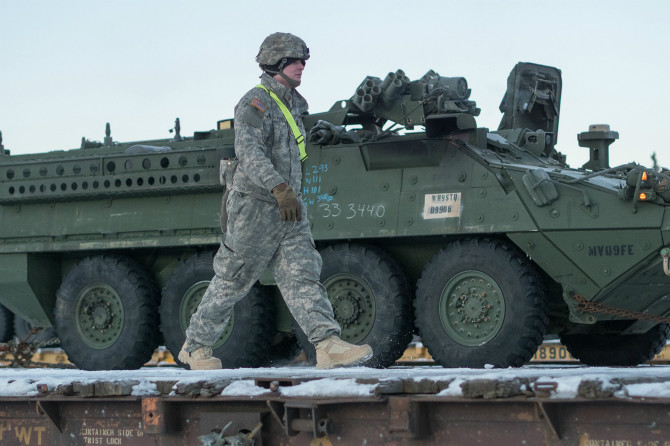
{"x":481,"y":241}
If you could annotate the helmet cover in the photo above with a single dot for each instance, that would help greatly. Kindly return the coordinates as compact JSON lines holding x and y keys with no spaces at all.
{"x":278,"y":46}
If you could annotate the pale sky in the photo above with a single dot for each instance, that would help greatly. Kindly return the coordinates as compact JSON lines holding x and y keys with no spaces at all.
{"x":68,"y":67}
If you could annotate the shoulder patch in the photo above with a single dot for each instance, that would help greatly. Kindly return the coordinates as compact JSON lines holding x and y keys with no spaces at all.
{"x":249,"y":113}
{"x":255,"y":102}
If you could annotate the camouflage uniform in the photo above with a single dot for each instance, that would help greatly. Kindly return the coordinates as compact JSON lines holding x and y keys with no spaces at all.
{"x":256,"y":237}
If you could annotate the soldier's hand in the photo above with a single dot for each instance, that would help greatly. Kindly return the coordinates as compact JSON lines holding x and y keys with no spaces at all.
{"x":289,"y":205}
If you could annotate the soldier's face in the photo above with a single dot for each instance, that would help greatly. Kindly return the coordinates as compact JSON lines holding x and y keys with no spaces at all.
{"x":294,"y":70}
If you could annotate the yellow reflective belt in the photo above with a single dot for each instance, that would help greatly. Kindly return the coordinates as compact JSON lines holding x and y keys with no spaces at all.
{"x":291,"y":122}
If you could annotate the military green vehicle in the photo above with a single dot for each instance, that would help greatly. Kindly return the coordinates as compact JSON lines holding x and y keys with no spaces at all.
{"x":482,"y":242}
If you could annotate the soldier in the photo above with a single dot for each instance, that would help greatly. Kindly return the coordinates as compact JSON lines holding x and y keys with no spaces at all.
{"x":266,"y":224}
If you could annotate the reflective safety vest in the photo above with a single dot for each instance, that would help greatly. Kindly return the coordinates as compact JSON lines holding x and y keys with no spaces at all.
{"x":299,"y":138}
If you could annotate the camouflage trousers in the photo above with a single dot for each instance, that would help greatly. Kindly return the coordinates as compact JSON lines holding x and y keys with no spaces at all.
{"x":257,"y":239}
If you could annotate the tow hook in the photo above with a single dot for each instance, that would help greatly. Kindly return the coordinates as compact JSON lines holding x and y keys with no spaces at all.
{"x":665,"y":253}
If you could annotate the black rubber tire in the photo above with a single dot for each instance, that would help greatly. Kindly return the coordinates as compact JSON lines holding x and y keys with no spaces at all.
{"x":248,"y":342}
{"x":492,"y":283}
{"x":6,"y":324}
{"x":617,"y":349}
{"x":366,"y":268}
{"x":23,"y":327}
{"x":101,"y":287}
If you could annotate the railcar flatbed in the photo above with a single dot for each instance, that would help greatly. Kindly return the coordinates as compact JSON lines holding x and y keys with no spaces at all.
{"x":534,"y":405}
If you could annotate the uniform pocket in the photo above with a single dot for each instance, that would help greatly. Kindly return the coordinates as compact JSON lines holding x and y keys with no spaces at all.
{"x":232,"y":263}
{"x":253,"y":229}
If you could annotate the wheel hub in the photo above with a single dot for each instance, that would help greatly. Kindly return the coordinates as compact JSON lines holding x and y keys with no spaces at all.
{"x":353,"y":305}
{"x":100,"y":315}
{"x":472,"y":308}
{"x":346,"y":309}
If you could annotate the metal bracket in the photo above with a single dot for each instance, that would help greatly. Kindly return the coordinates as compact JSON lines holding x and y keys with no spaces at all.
{"x":277,"y":411}
{"x":306,"y":417}
{"x":159,"y":417}
{"x":52,"y":411}
{"x":407,"y":418}
{"x":544,"y":411}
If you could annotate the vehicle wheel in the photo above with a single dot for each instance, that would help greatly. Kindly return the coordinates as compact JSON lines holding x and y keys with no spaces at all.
{"x":616,"y":349}
{"x":6,"y":324}
{"x":480,"y":301}
{"x":106,"y":314}
{"x":23,"y":327}
{"x":371,"y":299}
{"x":245,"y":341}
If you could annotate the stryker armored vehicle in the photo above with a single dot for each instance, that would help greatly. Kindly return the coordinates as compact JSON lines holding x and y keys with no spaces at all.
{"x":482,"y":242}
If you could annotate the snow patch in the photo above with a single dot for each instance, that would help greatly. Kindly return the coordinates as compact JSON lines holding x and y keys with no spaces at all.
{"x":243,"y":387}
{"x":329,"y":387}
{"x":643,"y":390}
{"x":145,"y":388}
{"x":567,"y":387}
{"x":454,"y":388}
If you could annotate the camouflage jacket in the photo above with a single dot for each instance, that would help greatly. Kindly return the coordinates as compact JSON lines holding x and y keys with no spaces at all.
{"x":264,"y":144}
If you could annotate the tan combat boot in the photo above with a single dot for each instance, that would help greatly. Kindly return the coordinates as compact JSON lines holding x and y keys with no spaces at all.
{"x":199,"y":359}
{"x":334,"y":352}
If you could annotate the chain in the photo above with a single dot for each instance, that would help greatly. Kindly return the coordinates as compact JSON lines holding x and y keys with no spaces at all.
{"x":23,"y":350}
{"x":591,"y":307}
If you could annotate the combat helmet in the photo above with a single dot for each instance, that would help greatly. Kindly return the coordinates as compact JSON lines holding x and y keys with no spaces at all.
{"x":279,"y":50}
{"x":278,"y":46}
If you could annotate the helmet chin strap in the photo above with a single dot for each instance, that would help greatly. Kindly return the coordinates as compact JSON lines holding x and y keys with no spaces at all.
{"x":292,"y":82}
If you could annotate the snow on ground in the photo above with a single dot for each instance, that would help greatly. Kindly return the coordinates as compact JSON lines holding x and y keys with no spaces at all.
{"x":564,"y":381}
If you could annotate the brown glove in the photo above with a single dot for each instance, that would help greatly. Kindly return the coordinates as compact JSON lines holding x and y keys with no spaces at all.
{"x":289,"y":205}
